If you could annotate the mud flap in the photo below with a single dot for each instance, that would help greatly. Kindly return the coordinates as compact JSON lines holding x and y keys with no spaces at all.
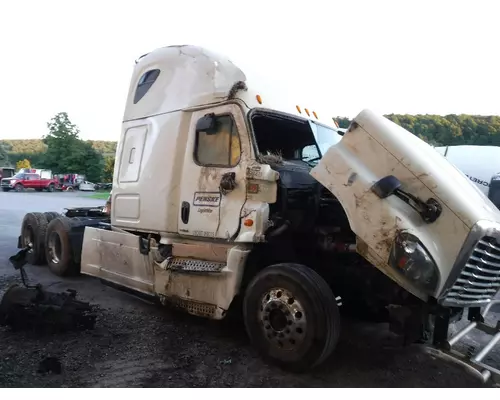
{"x":116,"y":257}
{"x":473,"y":363}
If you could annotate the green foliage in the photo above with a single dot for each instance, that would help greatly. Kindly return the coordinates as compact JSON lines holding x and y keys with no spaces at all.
{"x":24,"y":163}
{"x":4,"y":156}
{"x":36,"y":159}
{"x":61,"y":150}
{"x":106,"y":148}
{"x":109,"y":165}
{"x":28,"y":146}
{"x":37,"y":146}
{"x":449,"y":130}
{"x":66,"y":152}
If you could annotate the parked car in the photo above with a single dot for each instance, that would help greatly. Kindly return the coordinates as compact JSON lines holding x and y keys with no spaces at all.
{"x":87,"y":186}
{"x":22,"y":181}
{"x":103,"y":186}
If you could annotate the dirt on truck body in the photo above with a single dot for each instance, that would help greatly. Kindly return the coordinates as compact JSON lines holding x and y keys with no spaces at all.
{"x":257,"y":205}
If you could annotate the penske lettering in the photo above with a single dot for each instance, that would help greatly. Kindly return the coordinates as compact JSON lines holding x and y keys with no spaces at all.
{"x":206,"y":199}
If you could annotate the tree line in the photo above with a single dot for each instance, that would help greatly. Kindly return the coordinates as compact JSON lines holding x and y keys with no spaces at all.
{"x":62,"y":151}
{"x":449,"y":130}
{"x":30,"y":146}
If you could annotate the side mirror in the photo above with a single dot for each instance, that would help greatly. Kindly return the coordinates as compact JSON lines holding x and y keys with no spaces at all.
{"x":207,"y":124}
{"x":386,"y":186}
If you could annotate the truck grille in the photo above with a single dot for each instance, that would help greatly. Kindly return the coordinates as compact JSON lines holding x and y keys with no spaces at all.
{"x":479,"y":281}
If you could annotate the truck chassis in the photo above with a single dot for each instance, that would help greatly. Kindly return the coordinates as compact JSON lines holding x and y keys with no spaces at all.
{"x":56,"y":239}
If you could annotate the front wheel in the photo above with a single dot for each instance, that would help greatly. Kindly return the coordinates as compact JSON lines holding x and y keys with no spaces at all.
{"x":291,"y":316}
{"x":19,"y":187}
{"x":50,"y":188}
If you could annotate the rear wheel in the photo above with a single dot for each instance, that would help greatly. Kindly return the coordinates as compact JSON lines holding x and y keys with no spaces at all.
{"x":33,"y":231}
{"x":50,"y":215}
{"x":19,"y":188}
{"x":291,"y":316}
{"x":50,"y":188}
{"x":58,"y":250}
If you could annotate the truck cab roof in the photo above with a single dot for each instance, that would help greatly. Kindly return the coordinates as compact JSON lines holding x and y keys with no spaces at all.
{"x":199,"y":77}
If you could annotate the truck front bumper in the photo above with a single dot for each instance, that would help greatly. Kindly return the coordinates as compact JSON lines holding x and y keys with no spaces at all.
{"x":472,"y":360}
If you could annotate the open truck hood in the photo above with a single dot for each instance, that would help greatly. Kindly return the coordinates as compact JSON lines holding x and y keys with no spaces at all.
{"x":374,"y":147}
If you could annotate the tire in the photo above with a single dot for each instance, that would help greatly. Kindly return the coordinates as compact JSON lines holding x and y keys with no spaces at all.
{"x":38,"y":190}
{"x":291,"y":316}
{"x":50,"y":215}
{"x":58,"y":250}
{"x":5,"y":189}
{"x":69,"y":189}
{"x":50,"y":188}
{"x":19,"y":188}
{"x":33,"y":230}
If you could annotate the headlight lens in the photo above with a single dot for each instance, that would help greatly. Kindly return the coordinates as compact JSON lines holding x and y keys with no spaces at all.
{"x":410,"y":258}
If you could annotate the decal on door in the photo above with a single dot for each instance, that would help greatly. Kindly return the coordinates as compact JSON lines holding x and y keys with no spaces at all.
{"x":206,"y":199}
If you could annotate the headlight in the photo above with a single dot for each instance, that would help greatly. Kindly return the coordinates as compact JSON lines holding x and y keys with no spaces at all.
{"x":412,"y":260}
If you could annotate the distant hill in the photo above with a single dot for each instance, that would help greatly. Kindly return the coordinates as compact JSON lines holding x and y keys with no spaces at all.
{"x":32,"y":146}
{"x":434,"y":129}
{"x":448,"y":130}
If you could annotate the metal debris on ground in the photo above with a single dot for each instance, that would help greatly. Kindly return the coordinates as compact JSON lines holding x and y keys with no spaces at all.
{"x":33,"y":308}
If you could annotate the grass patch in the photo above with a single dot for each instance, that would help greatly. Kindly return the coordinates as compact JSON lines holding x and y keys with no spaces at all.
{"x":100,"y":195}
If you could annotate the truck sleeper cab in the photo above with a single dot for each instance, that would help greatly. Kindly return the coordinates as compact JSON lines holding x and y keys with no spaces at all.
{"x":226,"y":195}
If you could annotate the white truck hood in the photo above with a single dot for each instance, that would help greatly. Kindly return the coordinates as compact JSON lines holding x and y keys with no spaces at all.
{"x":373,"y":148}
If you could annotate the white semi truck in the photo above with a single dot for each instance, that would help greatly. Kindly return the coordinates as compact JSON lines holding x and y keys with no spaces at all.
{"x":481,"y":164}
{"x":227,"y":195}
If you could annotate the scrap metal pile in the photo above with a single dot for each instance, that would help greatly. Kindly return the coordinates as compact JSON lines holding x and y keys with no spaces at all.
{"x":34,"y":308}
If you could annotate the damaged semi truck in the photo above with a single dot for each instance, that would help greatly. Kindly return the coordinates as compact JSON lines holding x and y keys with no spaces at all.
{"x":228,"y":196}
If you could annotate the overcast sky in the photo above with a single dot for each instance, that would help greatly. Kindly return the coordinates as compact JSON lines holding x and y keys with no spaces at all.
{"x":392,"y":56}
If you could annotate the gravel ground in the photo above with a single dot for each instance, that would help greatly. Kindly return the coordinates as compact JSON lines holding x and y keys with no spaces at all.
{"x":137,"y":344}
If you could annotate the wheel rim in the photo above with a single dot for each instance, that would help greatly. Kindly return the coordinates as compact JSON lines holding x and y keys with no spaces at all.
{"x":283,"y":319}
{"x":54,"y":246}
{"x":19,"y":188}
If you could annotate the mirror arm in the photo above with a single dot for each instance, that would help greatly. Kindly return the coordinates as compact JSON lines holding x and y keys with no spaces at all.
{"x":429,"y":210}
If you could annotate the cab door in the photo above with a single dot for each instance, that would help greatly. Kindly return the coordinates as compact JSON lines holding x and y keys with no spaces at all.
{"x":213,"y":189}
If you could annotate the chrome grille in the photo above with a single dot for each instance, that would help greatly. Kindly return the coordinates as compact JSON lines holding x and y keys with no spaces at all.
{"x":479,"y":281}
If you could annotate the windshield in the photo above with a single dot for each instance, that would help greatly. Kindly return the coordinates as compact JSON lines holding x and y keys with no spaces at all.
{"x":19,"y":175}
{"x":325,"y":138}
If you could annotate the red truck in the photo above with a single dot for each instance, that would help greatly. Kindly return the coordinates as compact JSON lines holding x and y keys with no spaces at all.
{"x":22,"y":181}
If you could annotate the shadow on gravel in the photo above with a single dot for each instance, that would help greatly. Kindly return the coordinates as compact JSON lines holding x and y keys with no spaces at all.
{"x":136,"y":344}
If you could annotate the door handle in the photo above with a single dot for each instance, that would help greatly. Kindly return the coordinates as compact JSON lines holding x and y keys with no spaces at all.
{"x":185,"y":212}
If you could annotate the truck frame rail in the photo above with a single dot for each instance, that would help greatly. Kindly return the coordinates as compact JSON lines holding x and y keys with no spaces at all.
{"x":473,"y":360}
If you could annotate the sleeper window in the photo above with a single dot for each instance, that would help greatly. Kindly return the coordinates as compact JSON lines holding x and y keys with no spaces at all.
{"x":222,"y":148}
{"x":145,"y":83}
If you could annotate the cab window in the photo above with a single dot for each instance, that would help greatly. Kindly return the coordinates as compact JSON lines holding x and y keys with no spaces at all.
{"x":221,"y":148}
